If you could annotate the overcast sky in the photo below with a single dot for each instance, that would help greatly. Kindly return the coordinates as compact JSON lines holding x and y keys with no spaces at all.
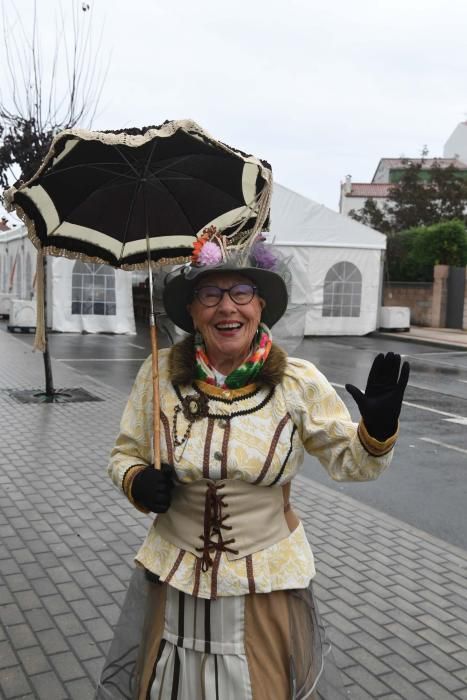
{"x":319,"y":89}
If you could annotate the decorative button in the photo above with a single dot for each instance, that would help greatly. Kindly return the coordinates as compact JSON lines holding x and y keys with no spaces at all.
{"x":218,"y":455}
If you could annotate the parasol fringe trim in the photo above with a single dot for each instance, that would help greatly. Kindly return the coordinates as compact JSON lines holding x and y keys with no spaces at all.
{"x":72,"y":255}
{"x":237,"y":241}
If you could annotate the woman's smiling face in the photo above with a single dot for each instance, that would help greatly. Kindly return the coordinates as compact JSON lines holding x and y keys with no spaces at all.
{"x":228,"y":329}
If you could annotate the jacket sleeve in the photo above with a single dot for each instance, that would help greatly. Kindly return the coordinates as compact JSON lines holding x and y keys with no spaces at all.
{"x":133,"y":450}
{"x":326,"y":429}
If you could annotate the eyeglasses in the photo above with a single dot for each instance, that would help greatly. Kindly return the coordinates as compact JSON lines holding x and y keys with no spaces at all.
{"x":211,"y":295}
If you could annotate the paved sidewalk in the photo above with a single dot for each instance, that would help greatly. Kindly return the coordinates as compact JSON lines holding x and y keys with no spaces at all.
{"x":444,"y":337}
{"x":394,"y":598}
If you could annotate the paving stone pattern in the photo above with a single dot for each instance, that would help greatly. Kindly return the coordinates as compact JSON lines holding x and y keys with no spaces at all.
{"x":393,"y":598}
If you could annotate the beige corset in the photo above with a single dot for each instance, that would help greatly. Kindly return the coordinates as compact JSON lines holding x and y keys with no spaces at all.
{"x":230,"y":516}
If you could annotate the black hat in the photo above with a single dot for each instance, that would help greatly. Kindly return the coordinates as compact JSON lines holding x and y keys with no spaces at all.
{"x":179,"y":286}
{"x":215,"y":253}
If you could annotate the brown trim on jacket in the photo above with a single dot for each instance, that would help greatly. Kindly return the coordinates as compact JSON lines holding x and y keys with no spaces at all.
{"x":168,"y":437}
{"x":282,"y":423}
{"x":374,"y":447}
{"x":207,"y":448}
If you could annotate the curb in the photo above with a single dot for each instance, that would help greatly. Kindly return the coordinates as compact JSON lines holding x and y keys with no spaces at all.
{"x":399,"y":335}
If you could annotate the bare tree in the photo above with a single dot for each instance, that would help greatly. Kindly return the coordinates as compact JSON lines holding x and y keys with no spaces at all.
{"x":54,"y":78}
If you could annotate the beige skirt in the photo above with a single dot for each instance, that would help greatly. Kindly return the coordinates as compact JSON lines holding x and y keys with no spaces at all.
{"x":169,"y":645}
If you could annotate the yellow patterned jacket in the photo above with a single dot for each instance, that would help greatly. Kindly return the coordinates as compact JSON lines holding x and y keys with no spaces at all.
{"x":257,"y":434}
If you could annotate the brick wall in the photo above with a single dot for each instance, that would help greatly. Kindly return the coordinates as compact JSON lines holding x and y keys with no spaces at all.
{"x":427,"y":301}
{"x":439,"y":301}
{"x":416,"y":295}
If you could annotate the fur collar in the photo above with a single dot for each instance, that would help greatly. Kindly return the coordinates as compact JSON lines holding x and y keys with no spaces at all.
{"x":182,"y":364}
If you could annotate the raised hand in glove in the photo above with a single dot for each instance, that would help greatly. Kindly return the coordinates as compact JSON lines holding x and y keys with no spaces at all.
{"x":381,"y":403}
{"x":152,"y":488}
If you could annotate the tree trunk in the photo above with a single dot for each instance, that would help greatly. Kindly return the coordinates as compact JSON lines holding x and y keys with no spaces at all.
{"x":49,"y":382}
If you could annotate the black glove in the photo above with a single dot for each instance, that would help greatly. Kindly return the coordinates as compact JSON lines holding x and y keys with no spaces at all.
{"x":152,"y":488}
{"x":381,"y":403}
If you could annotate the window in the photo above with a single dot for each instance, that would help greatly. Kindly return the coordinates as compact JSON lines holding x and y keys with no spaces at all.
{"x":93,"y":289}
{"x":342,"y":290}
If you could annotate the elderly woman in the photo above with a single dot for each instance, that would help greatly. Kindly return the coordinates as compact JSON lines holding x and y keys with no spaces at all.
{"x":220,"y":606}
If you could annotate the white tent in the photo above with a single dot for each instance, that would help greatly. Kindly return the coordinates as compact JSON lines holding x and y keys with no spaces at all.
{"x":17,"y":265}
{"x":90,"y":297}
{"x":336,"y":268}
{"x":336,"y":264}
{"x":81,"y":296}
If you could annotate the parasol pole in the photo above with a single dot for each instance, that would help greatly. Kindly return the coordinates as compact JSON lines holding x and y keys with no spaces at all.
{"x":156,"y":424}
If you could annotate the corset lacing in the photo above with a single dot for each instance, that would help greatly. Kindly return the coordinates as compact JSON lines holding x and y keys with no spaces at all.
{"x":213,"y":525}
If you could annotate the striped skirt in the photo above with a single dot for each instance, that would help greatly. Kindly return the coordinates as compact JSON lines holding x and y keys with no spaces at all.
{"x":169,"y":645}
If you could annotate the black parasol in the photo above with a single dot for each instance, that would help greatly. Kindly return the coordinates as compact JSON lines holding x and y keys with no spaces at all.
{"x":140,"y":197}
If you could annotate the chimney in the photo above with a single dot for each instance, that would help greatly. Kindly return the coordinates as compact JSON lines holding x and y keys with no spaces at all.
{"x":348,"y":184}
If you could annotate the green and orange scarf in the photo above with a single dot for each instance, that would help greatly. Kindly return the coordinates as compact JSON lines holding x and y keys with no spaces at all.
{"x":247,"y":371}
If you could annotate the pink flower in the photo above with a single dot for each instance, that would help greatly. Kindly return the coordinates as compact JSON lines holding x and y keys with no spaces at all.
{"x":210,"y":254}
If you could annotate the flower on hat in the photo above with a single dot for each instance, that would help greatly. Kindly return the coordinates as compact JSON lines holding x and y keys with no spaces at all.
{"x":197,"y":247}
{"x":205,"y":250}
{"x":210,"y":254}
{"x":262,"y":255}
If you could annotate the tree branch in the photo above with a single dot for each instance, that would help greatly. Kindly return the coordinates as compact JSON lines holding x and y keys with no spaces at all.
{"x":36,"y":103}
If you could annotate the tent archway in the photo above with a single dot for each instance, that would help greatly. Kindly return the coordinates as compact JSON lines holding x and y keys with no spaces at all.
{"x":342,"y":290}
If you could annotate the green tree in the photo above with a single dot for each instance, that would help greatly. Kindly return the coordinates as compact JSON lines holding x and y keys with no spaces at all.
{"x":449,"y":191}
{"x":421,"y":197}
{"x":442,"y":244}
{"x":411,"y":201}
{"x":372,"y":215}
{"x":412,"y":254}
{"x":402,"y":264}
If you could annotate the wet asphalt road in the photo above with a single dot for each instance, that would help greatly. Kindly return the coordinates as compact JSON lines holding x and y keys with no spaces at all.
{"x":426,"y":485}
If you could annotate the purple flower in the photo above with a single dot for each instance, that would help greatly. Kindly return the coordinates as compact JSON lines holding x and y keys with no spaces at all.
{"x":210,"y":254}
{"x":263,"y":256}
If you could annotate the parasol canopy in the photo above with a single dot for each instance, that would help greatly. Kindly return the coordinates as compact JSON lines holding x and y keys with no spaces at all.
{"x":113,"y":196}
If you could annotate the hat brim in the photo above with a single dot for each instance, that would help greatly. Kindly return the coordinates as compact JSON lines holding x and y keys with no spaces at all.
{"x":178,"y":292}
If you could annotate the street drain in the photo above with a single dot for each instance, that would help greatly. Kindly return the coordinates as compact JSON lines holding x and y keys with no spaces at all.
{"x":39,"y":396}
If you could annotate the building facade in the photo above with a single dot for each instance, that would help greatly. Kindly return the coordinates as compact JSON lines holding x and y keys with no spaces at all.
{"x":388,"y":173}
